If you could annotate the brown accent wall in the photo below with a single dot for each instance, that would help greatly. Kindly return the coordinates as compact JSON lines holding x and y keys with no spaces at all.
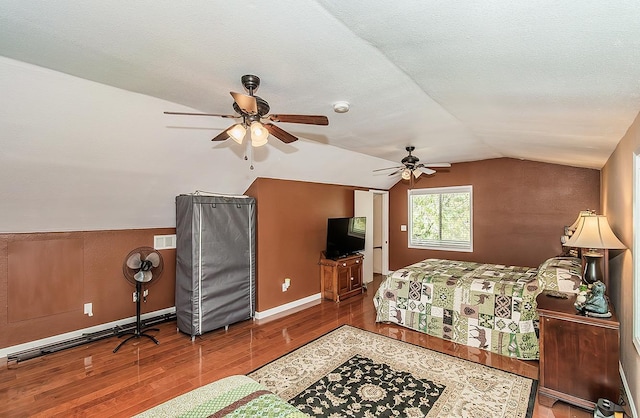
{"x":292,"y":227}
{"x":46,"y":278}
{"x":520,"y":209}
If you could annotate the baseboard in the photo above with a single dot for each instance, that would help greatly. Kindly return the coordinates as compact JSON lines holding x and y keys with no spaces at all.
{"x":78,"y":333}
{"x":630,"y":400}
{"x":287,"y":306}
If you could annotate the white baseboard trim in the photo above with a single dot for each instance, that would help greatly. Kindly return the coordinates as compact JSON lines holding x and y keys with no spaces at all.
{"x":4,"y":352}
{"x":632,"y":406}
{"x":287,"y":306}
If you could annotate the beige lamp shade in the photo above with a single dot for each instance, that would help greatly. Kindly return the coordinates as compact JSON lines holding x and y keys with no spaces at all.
{"x":593,"y":231}
{"x":580,"y":215}
{"x":259,"y":134}
{"x":237,"y":133}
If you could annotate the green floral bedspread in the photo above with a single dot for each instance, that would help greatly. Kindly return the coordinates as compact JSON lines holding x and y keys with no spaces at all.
{"x":235,"y":396}
{"x":492,"y":307}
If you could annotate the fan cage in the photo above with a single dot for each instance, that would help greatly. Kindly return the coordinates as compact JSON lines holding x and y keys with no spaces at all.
{"x":144,"y":253}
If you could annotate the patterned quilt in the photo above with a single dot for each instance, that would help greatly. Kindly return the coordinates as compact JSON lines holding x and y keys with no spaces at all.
{"x":234,"y":396}
{"x":492,"y":307}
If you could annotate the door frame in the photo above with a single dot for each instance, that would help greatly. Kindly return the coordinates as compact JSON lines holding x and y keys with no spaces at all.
{"x":363,"y":206}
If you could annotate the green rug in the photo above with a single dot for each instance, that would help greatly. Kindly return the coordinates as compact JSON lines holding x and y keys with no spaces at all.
{"x":355,"y":373}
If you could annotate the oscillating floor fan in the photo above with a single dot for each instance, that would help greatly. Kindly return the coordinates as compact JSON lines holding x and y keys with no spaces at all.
{"x":141,"y":267}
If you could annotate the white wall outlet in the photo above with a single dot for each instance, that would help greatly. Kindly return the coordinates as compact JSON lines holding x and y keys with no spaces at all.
{"x":88,"y":309}
{"x":403,"y":228}
{"x":286,"y":284}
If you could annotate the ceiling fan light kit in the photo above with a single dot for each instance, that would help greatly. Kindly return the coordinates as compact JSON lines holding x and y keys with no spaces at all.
{"x":237,"y":133}
{"x":259,"y":134}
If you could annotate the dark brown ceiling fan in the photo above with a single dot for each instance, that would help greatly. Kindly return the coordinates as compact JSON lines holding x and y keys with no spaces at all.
{"x":254,"y":114}
{"x":412,"y":168}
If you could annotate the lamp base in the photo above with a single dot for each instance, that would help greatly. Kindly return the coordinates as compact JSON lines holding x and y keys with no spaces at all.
{"x":592,"y":268}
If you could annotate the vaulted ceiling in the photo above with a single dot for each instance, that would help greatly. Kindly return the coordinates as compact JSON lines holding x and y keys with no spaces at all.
{"x":86,"y":145}
{"x":546,"y":80}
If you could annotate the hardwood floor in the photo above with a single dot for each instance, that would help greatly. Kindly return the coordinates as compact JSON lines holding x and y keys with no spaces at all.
{"x":91,"y":380}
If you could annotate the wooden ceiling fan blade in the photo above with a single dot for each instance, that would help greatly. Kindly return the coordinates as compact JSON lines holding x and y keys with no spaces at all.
{"x":436,"y":165}
{"x":246,"y":103}
{"x":388,"y":168}
{"x":426,"y":170}
{"x":224,"y":135}
{"x":279,"y":133}
{"x":396,"y":172}
{"x":306,"y":119}
{"x":202,"y":114}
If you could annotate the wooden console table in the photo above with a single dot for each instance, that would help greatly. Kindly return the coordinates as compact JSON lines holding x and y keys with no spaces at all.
{"x":341,"y":278}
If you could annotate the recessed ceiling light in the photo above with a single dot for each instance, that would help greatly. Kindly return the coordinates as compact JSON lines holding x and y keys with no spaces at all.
{"x":341,"y":107}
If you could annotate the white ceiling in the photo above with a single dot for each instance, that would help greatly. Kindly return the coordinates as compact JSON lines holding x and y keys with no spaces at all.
{"x":554,"y":81}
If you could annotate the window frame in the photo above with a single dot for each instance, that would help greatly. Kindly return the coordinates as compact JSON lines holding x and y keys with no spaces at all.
{"x":442,"y":245}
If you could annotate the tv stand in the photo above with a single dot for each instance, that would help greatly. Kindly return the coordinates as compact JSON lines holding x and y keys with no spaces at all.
{"x":341,"y":278}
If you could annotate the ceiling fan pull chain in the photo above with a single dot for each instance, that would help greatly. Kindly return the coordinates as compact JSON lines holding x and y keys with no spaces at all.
{"x":249,"y":151}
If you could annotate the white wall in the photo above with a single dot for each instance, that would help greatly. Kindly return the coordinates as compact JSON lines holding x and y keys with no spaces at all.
{"x":617,"y":204}
{"x":78,"y":155}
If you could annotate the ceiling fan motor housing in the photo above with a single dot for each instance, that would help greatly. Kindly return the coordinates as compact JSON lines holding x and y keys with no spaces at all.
{"x":250,"y":83}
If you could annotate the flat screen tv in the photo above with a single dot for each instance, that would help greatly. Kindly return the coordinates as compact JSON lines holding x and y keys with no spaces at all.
{"x":345,"y":236}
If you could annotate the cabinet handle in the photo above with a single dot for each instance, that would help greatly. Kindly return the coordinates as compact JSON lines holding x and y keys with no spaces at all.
{"x":352,"y":279}
{"x":344,"y":264}
{"x":357,"y":261}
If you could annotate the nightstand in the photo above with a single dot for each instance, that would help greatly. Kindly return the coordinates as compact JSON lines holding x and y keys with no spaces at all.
{"x":579,"y":355}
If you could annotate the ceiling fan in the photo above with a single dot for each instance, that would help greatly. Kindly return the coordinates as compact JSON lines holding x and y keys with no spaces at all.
{"x":253,"y":112}
{"x":411,"y":168}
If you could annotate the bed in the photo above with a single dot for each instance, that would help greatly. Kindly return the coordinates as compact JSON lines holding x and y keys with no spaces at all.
{"x":232,"y":396}
{"x":489,"y":306}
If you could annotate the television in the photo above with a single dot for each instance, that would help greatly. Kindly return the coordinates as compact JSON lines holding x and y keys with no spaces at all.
{"x":345,"y":236}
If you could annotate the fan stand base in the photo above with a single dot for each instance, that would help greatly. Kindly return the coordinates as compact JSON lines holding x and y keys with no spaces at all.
{"x":137,"y":335}
{"x":139,"y":332}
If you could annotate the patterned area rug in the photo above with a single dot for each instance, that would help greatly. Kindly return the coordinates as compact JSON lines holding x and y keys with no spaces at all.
{"x":350,"y":372}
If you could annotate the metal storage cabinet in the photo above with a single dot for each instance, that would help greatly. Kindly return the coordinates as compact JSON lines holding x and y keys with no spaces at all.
{"x":215,"y":261}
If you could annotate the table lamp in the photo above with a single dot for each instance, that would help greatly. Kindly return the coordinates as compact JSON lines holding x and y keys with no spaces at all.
{"x":594,"y":233}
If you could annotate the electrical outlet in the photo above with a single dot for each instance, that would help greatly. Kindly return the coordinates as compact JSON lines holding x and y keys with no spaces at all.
{"x":286,"y":284}
{"x":88,"y":309}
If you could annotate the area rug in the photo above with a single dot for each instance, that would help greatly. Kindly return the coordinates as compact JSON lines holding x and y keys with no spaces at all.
{"x":350,"y":372}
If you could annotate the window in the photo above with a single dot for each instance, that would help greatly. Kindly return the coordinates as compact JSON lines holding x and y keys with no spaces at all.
{"x":441,"y":218}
